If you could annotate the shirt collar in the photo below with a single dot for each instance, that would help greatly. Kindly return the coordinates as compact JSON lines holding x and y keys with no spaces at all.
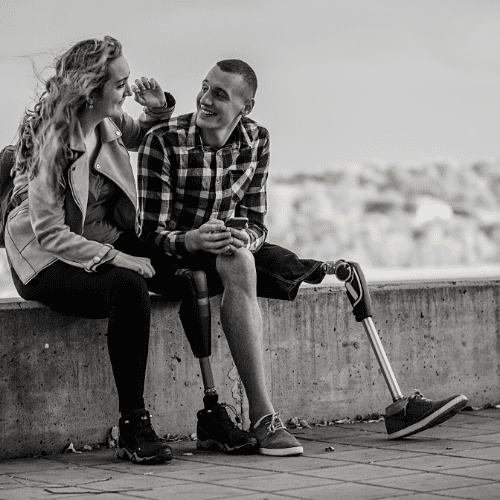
{"x":237,"y":137}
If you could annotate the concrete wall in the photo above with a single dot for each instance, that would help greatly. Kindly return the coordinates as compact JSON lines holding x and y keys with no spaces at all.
{"x":56,"y":384}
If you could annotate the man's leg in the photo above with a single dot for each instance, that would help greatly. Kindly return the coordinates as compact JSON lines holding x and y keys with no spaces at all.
{"x":242,"y":324}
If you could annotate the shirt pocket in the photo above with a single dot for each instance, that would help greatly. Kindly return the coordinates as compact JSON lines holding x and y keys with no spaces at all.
{"x":241,"y":177}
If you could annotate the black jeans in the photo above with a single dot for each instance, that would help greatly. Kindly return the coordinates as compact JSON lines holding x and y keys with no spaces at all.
{"x":123,"y":296}
{"x":115,"y":293}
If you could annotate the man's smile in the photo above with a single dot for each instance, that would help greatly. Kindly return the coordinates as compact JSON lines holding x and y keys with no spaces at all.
{"x":205,"y":112}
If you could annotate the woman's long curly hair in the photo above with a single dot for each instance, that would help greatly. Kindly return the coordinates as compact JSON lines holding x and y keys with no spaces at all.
{"x":80,"y":74}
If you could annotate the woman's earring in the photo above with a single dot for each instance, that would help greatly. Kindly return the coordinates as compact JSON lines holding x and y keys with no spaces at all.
{"x":90,"y":104}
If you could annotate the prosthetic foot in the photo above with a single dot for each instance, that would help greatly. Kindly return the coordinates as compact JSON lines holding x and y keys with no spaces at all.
{"x":405,"y":416}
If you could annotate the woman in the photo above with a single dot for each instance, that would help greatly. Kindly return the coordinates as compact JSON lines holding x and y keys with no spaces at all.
{"x":72,"y":243}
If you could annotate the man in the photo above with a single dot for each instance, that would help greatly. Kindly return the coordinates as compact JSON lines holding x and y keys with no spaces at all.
{"x":196,"y":172}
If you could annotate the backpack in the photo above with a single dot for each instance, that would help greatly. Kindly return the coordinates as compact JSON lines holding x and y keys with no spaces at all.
{"x":7,"y":158}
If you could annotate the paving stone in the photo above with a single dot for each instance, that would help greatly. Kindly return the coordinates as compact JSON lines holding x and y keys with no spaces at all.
{"x":267,"y":496}
{"x":345,"y":491}
{"x":436,"y":445}
{"x":420,"y":496}
{"x":192,"y":491}
{"x":455,"y":462}
{"x":67,"y":476}
{"x":275,"y":482}
{"x":373,"y":455}
{"x":489,"y":471}
{"x":357,"y":472}
{"x":216,"y":473}
{"x":484,"y":438}
{"x":128,"y":483}
{"x":489,"y":491}
{"x":88,"y":458}
{"x":425,"y":482}
{"x":441,"y":432}
{"x":432,"y":463}
{"x":315,"y":448}
{"x":21,"y":465}
{"x":327,"y":433}
{"x":477,"y":423}
{"x":484,"y":453}
{"x":42,"y":494}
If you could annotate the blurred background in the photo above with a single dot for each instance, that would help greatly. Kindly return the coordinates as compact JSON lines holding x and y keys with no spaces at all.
{"x":384,"y":115}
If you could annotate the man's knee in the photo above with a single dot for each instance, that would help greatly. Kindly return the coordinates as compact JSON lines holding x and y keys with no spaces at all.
{"x":238,"y":268}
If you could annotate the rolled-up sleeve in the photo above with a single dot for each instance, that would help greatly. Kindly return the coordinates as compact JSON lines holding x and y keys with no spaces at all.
{"x":134,"y":130}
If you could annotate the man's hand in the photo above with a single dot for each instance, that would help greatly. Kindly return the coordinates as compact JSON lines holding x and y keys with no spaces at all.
{"x":148,"y":93}
{"x":240,"y":240}
{"x":214,"y":237}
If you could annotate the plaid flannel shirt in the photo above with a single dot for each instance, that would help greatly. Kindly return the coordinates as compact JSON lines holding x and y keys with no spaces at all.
{"x":182,"y":184}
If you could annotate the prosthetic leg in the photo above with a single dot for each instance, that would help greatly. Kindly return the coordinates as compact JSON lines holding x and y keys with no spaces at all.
{"x":195,"y":316}
{"x":405,"y":416}
{"x":215,"y":429}
{"x":357,"y":292}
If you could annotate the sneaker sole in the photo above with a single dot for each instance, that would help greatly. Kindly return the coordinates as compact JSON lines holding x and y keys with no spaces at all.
{"x":282,"y":452}
{"x":210,"y":444}
{"x":162,"y":457}
{"x":438,"y":417}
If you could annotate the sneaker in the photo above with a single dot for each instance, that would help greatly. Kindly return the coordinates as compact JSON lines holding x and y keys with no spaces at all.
{"x":416,"y":413}
{"x":216,"y":431}
{"x":138,"y":441}
{"x":274,"y":439}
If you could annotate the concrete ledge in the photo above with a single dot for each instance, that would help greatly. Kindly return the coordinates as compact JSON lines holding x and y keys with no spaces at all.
{"x":56,"y":384}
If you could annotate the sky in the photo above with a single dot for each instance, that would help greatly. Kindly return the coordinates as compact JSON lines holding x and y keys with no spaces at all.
{"x":340,"y":82}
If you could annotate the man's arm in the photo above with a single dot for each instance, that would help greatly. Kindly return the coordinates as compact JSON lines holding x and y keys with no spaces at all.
{"x":254,"y":203}
{"x":156,"y":190}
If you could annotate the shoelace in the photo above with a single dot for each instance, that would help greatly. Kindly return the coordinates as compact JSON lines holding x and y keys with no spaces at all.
{"x":144,"y":431}
{"x":275,"y":423}
{"x":417,"y":395}
{"x":226,"y":420}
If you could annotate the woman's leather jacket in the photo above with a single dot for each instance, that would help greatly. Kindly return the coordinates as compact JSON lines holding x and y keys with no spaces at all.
{"x":48,"y":224}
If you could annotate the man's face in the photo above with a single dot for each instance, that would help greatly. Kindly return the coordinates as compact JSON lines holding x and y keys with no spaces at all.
{"x":221,"y":101}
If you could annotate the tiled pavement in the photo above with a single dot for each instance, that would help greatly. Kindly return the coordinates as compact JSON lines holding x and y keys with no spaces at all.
{"x":459,"y":459}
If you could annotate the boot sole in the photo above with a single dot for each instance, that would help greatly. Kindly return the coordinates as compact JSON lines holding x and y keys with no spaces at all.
{"x":438,"y":417}
{"x":209,"y":444}
{"x":282,"y":452}
{"x":160,"y":458}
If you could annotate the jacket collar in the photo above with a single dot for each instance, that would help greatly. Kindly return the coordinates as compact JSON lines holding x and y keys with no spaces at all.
{"x":76,"y":142}
{"x":108,"y":130}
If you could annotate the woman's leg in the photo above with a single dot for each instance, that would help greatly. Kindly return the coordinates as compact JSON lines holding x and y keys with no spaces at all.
{"x":117,"y":293}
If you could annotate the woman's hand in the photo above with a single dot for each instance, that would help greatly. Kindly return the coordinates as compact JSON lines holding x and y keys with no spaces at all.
{"x":140,"y":265}
{"x":148,"y":93}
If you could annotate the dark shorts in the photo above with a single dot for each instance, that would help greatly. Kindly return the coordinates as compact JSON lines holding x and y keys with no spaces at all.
{"x":280,"y":272}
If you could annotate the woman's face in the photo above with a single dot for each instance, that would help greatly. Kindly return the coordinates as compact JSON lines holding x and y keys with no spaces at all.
{"x":115,"y":91}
